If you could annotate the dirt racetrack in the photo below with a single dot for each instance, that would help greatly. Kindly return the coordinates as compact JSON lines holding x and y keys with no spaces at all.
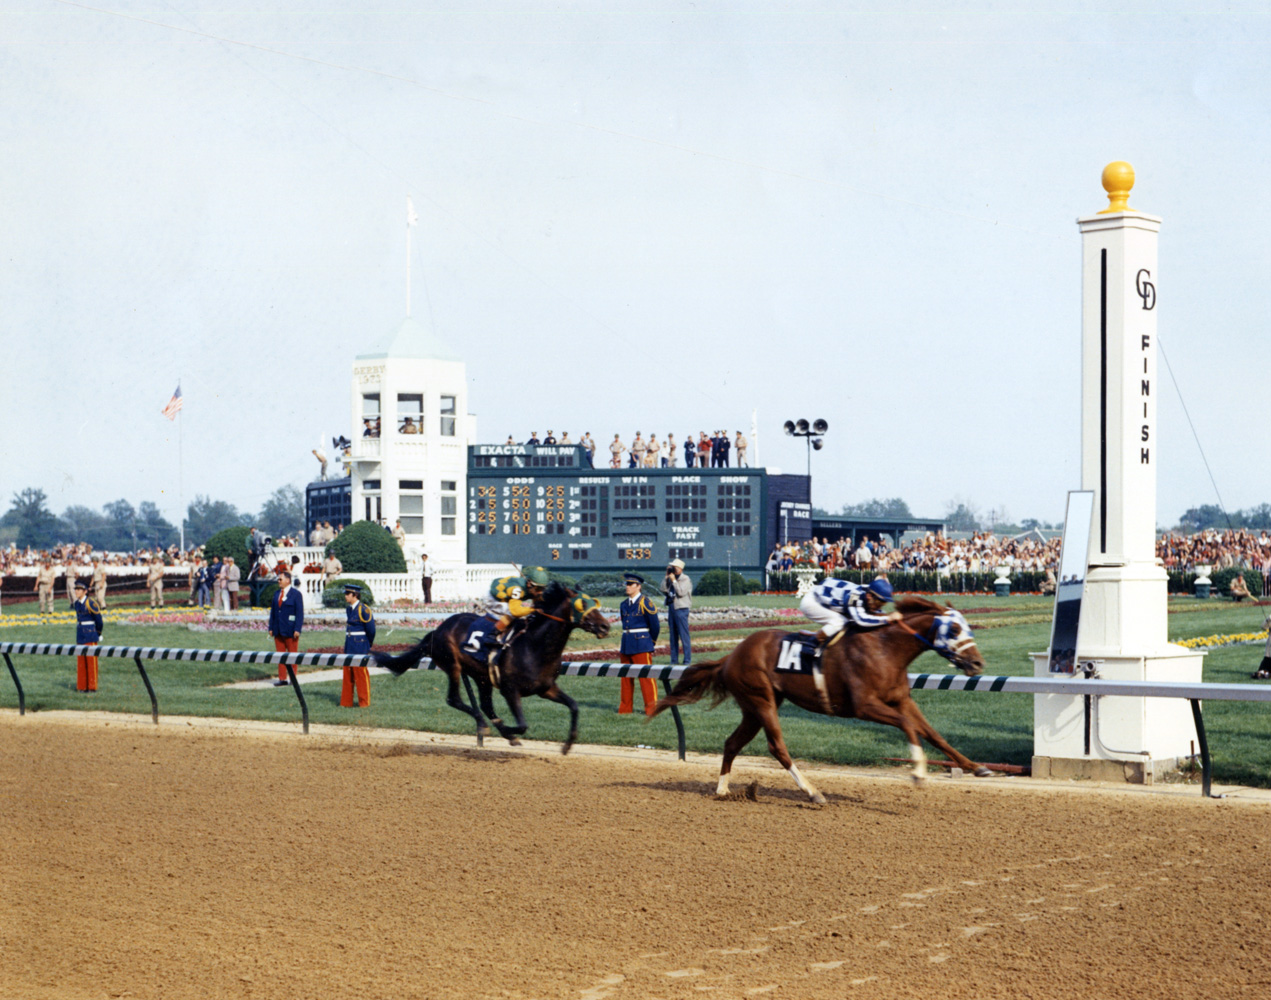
{"x":195,"y":861}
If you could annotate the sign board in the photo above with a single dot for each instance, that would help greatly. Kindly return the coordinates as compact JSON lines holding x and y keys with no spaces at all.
{"x":1071,"y":584}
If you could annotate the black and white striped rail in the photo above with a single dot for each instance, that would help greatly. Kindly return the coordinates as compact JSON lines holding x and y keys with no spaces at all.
{"x":1060,"y":685}
{"x":139,"y":653}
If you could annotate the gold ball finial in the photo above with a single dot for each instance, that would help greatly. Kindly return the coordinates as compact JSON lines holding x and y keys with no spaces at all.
{"x":1118,"y":179}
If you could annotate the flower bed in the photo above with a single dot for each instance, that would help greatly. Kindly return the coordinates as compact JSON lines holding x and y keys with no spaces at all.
{"x":1218,"y":641}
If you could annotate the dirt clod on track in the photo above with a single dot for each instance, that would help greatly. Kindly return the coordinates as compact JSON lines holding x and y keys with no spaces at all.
{"x":196,"y":862}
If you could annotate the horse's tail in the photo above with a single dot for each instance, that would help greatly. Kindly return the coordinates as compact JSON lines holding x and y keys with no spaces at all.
{"x":697,"y":681}
{"x":400,"y":664}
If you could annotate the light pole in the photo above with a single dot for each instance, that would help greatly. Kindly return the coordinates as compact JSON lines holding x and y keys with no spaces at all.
{"x":812,"y":434}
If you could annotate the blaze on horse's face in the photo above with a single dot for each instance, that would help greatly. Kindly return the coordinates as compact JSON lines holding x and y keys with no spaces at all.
{"x":587,"y":615}
{"x":953,"y":641}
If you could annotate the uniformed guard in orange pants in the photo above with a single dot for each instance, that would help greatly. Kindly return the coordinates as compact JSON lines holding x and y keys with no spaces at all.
{"x":88,"y":632}
{"x":639,"y":637}
{"x":359,"y":636}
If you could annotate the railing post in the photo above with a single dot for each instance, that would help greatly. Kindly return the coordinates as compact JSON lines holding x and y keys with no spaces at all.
{"x":675,"y":714}
{"x":1206,"y":767}
{"x":16,"y":683}
{"x":295,"y":685}
{"x":154,"y":702}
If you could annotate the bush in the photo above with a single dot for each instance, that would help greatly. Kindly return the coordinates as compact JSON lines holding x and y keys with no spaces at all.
{"x":229,"y":542}
{"x":268,"y":592}
{"x":1222,"y":580}
{"x":715,"y":583}
{"x":333,"y":593}
{"x":602,"y":584}
{"x":562,"y":579}
{"x":365,"y":547}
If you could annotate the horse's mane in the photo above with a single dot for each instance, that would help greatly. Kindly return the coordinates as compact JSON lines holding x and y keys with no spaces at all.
{"x":554,"y":595}
{"x":913,"y":605}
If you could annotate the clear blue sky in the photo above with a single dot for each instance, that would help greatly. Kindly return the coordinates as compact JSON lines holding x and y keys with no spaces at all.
{"x":657,"y":218}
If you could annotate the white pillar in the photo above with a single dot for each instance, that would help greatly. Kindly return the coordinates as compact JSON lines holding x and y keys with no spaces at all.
{"x":1123,"y":615}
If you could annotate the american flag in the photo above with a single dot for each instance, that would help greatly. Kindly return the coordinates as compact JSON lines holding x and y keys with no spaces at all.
{"x":174,"y":404}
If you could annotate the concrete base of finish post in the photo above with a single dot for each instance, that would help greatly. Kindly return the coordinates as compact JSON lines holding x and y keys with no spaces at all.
{"x":1111,"y":738}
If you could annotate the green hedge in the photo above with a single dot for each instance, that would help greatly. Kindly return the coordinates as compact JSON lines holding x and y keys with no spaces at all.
{"x":333,"y":592}
{"x":602,"y":584}
{"x":230,"y":542}
{"x":268,"y":592}
{"x":1185,"y":583}
{"x":365,"y":547}
{"x":715,"y":583}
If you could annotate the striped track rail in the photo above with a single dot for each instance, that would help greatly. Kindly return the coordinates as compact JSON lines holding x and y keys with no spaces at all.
{"x":1063,"y":685}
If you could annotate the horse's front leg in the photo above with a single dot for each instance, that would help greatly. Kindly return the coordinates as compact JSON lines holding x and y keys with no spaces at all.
{"x":928,"y":732}
{"x":554,"y":693}
{"x":873,"y":710}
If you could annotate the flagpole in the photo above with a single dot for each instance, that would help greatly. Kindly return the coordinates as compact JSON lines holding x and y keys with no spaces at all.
{"x":180,"y":479}
{"x":410,"y":211}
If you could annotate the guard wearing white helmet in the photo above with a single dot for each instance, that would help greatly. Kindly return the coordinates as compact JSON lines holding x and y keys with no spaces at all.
{"x":833,"y":603}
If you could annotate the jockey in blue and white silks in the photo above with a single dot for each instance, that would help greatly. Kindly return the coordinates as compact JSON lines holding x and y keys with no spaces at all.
{"x":833,"y":603}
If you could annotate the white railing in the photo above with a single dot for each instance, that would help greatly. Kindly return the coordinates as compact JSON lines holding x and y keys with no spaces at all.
{"x":386,"y":587}
{"x":365,"y":447}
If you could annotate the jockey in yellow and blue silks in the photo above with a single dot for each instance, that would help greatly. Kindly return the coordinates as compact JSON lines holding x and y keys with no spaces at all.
{"x":512,"y":598}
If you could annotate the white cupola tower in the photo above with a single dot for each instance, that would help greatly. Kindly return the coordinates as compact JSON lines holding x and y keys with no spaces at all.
{"x":411,"y":430}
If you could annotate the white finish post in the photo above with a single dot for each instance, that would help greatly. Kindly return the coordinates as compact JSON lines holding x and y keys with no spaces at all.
{"x":1123,"y":617}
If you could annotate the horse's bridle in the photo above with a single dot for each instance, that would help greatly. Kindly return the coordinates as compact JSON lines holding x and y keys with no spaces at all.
{"x":956,"y":646}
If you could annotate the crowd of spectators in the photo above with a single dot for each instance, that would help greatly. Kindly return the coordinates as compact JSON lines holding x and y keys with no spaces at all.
{"x":1218,"y":549}
{"x":983,"y":552}
{"x":716,"y":451}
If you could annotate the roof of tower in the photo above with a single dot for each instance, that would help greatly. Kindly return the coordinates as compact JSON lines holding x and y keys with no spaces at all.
{"x":412,"y":340}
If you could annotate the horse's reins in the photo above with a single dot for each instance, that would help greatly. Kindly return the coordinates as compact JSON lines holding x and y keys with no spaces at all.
{"x":956,"y":645}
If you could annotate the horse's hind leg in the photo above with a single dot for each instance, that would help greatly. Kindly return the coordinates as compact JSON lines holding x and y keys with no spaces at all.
{"x":513,"y":697}
{"x":777,"y":747}
{"x":487,"y":705}
{"x":482,"y":728}
{"x":554,"y":693}
{"x":454,"y":700}
{"x":735,"y":744}
{"x":928,"y":732}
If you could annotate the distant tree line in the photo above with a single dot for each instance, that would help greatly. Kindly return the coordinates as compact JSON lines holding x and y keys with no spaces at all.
{"x":959,"y":515}
{"x":1210,"y":515}
{"x":121,"y":527}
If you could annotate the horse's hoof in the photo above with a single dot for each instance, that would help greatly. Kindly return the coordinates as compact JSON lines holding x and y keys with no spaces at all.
{"x":919,"y":780}
{"x":818,"y":798}
{"x":566,"y":747}
{"x":513,"y":741}
{"x":983,"y":772}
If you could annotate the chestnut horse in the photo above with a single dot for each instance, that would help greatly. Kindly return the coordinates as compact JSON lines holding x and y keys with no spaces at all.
{"x":865,"y":676}
{"x":528,"y":665}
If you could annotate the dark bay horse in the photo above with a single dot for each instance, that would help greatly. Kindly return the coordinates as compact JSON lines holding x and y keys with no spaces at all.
{"x":865,"y":677}
{"x":529,"y":665}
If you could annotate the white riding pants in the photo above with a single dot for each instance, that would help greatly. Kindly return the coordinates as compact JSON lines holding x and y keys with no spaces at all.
{"x":831,"y":622}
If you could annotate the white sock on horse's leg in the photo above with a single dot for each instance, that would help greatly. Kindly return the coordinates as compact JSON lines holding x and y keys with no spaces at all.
{"x":722,"y":788}
{"x":920,"y":761}
{"x":803,"y":782}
